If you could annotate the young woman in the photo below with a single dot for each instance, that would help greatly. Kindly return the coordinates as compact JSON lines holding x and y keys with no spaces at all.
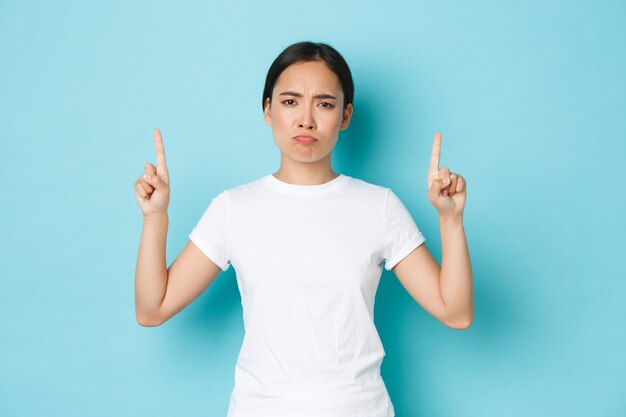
{"x":308,"y":246}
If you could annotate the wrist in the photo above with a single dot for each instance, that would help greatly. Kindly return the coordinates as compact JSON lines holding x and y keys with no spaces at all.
{"x":451,"y":219}
{"x":156,"y":216}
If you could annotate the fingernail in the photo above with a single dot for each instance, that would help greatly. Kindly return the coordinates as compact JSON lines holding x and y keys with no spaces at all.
{"x":146,"y":177}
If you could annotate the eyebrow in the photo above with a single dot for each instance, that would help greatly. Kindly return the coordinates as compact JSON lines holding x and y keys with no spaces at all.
{"x":293,"y":93}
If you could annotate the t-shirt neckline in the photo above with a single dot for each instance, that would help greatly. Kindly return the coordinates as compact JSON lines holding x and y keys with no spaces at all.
{"x":303,"y":190}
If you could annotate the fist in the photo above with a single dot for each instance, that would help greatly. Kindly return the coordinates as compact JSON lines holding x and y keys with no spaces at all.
{"x":152,"y":189}
{"x":446,"y":190}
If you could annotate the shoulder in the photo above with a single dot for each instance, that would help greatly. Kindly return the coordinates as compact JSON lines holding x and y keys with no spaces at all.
{"x":245,"y":193}
{"x":366,"y":188}
{"x":250,"y":186}
{"x":223,"y":195}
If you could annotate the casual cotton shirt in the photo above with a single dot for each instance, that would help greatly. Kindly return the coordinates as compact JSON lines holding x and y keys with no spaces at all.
{"x":308,"y":260}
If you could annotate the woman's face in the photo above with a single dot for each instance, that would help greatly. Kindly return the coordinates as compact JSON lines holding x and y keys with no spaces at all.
{"x":307,"y":100}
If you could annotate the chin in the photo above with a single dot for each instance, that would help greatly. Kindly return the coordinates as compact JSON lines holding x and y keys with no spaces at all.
{"x":304,"y":159}
{"x":303,"y":156}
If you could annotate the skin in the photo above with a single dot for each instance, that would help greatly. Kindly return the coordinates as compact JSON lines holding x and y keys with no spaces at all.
{"x":322,"y":118}
{"x":446,"y":291}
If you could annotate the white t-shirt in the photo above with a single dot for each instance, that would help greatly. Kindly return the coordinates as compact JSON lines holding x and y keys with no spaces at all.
{"x":308,"y":260}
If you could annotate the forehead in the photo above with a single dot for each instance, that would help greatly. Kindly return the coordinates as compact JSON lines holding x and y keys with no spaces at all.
{"x":312,"y":75}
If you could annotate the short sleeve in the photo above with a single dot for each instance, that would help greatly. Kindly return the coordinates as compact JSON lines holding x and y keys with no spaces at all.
{"x":210,"y":233}
{"x":401,"y":235}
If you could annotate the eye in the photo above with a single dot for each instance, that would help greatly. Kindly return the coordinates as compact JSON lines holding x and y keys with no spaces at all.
{"x":327,"y":105}
{"x":285,"y":101}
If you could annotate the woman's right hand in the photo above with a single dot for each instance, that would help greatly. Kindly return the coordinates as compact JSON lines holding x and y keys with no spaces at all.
{"x":152,"y":189}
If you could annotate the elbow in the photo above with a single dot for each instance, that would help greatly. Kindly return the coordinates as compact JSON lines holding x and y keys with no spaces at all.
{"x":147,"y":321}
{"x":461,"y":326}
{"x":462,"y":323}
{"x":144,"y":323}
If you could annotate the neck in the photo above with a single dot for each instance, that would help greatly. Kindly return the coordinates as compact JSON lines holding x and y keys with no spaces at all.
{"x":307,"y":173}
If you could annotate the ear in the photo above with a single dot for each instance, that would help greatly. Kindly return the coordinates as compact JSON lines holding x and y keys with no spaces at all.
{"x":266,"y":112}
{"x":347,"y":115}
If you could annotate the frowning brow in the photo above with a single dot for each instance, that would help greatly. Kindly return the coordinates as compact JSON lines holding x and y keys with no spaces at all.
{"x":294,"y":94}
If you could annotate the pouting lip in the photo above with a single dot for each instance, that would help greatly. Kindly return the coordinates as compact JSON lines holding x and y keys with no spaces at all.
{"x":304,"y":137}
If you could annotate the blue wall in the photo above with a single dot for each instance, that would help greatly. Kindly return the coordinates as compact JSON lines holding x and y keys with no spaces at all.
{"x":530,"y":98}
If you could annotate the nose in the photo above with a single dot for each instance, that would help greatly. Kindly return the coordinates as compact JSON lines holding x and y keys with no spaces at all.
{"x":306,"y":120}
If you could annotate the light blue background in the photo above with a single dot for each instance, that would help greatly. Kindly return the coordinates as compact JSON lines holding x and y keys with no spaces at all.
{"x":530,"y":98}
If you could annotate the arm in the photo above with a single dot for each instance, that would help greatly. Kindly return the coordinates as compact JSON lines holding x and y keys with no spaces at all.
{"x":444,"y":292}
{"x":151,"y":272}
{"x":456,"y":272}
{"x":161,"y":293}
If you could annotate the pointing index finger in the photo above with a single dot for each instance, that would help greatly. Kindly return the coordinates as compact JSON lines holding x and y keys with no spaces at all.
{"x":436,"y":153}
{"x":160,"y":153}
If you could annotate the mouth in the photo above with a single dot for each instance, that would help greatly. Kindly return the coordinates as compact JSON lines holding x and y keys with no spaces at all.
{"x":305,"y":139}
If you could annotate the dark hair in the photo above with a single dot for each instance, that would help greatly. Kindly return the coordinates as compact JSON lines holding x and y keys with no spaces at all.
{"x":310,"y":51}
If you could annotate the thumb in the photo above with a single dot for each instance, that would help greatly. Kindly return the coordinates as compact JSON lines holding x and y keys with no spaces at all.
{"x":149,"y":169}
{"x":154,"y":181}
{"x":434,"y":192}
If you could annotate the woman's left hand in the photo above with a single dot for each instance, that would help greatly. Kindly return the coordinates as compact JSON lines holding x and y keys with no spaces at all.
{"x":446,"y":190}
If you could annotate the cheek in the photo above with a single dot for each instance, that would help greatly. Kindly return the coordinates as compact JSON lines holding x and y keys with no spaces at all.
{"x":280,"y":119}
{"x":335,"y":118}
